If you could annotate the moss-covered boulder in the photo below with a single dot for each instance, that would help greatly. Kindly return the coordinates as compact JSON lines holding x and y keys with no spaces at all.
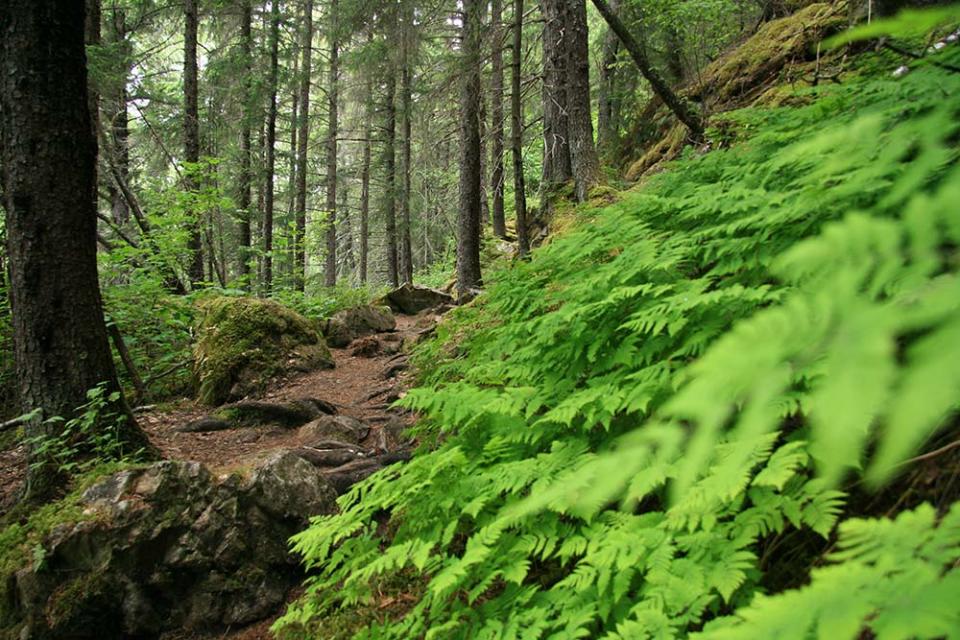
{"x":244,"y":342}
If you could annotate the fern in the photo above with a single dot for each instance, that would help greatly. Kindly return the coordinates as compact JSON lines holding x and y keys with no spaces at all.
{"x":621,"y":425}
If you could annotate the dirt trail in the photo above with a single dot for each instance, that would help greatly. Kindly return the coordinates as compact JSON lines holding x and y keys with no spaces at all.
{"x":349,"y":386}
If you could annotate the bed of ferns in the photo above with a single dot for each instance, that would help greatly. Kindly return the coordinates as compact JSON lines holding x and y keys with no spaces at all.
{"x":622,"y":426}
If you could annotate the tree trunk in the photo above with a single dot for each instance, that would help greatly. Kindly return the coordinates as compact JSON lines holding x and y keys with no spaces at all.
{"x":390,"y":165}
{"x":92,"y":38}
{"x":246,"y":168}
{"x":675,"y":103}
{"x":468,"y":240}
{"x":583,"y":153}
{"x":496,"y":121}
{"x":114,"y":106}
{"x":271,"y":151}
{"x":191,"y":133}
{"x":406,"y":101}
{"x":606,"y":89}
{"x":330,"y":270}
{"x":49,"y":181}
{"x":556,"y":150}
{"x":516,"y":137}
{"x":292,"y":168}
{"x":303,"y":144}
{"x":365,"y":187}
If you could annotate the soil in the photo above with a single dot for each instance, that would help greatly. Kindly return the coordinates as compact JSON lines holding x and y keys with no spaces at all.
{"x":359,"y":387}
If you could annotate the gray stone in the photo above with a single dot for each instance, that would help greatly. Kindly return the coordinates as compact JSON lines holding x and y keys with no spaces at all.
{"x":170,"y":546}
{"x":348,"y":325}
{"x":411,"y":300}
{"x":341,"y":428}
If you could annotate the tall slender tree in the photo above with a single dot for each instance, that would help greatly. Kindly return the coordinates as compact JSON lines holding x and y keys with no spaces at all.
{"x":191,"y":132}
{"x":406,"y":111}
{"x":468,"y":218}
{"x":496,"y":118}
{"x":606,"y":88}
{"x":271,"y":150}
{"x":246,"y":165}
{"x":303,"y":147}
{"x":390,"y":168}
{"x":330,"y":268}
{"x":516,"y":129}
{"x":365,"y":184}
{"x":48,"y":153}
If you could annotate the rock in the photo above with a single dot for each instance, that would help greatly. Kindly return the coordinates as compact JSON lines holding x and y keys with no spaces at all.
{"x":244,"y":342}
{"x":328,"y":457}
{"x":348,"y":325}
{"x":392,"y":436}
{"x":339,"y":428}
{"x":411,"y":300}
{"x":169,"y":547}
{"x":283,"y":414}
{"x":287,"y":487}
{"x":367,"y":347}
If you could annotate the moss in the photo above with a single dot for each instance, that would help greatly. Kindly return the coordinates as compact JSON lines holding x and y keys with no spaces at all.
{"x":747,"y":71}
{"x":73,"y":596}
{"x":248,"y":341}
{"x":24,"y":528}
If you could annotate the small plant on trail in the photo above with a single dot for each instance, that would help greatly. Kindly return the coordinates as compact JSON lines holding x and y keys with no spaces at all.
{"x":90,"y":438}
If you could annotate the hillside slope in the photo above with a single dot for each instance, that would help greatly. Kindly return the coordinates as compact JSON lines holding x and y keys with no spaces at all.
{"x":692,"y":399}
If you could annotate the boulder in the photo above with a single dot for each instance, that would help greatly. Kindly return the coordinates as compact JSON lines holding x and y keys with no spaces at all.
{"x":170,"y":546}
{"x":348,"y":325}
{"x":411,"y":300}
{"x":337,"y":428}
{"x":244,"y":342}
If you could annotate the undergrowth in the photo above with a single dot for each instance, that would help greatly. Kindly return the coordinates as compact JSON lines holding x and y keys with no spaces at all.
{"x":621,"y":423}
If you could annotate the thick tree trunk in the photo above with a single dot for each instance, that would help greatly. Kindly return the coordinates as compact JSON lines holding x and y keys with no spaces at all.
{"x":49,"y":171}
{"x":516,"y":129}
{"x":606,"y":89}
{"x":583,"y":153}
{"x":92,"y":38}
{"x":468,"y":240}
{"x":675,"y":103}
{"x":303,"y":144}
{"x":246,"y":168}
{"x":406,"y":102}
{"x":390,"y":166}
{"x":556,"y":149}
{"x":271,"y":151}
{"x":330,"y":268}
{"x":191,"y":132}
{"x":496,"y":121}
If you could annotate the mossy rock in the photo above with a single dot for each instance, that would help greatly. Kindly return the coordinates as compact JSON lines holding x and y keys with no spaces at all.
{"x":244,"y":342}
{"x":356,"y":322}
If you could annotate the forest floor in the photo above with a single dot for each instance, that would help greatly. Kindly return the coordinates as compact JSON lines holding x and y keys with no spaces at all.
{"x":359,"y":387}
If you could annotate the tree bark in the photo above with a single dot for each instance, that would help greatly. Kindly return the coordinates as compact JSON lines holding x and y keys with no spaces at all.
{"x":406,"y":102}
{"x":496,"y":122}
{"x":516,"y":137}
{"x":606,"y":89}
{"x":556,"y":149}
{"x":675,"y":103}
{"x":271,"y":151}
{"x":191,"y":133}
{"x":365,"y":186}
{"x":390,"y":165}
{"x":583,"y":153}
{"x":330,"y":268}
{"x":468,"y":219}
{"x":246,"y":167}
{"x":303,"y":144}
{"x":49,"y":181}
